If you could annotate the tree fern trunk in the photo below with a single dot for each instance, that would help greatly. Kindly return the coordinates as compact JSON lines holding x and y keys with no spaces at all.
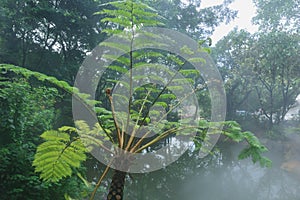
{"x":117,"y":186}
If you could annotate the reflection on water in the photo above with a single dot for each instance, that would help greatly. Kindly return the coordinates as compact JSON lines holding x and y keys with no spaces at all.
{"x":219,"y":177}
{"x":242,"y":182}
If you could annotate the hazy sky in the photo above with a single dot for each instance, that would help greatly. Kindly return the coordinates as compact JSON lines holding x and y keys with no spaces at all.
{"x":246,"y":10}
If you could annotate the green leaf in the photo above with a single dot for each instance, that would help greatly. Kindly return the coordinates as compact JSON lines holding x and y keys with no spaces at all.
{"x":118,"y":68}
{"x":188,"y":72}
{"x":119,"y":46}
{"x":56,"y":157}
{"x":186,"y":50}
{"x":163,"y":104}
{"x":167,"y":96}
{"x":121,"y":59}
{"x":197,"y":60}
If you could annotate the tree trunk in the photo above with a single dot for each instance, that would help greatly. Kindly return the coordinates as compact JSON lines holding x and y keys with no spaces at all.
{"x":117,"y":186}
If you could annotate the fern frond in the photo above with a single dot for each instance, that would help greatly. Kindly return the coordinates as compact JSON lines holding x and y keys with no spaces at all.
{"x":130,"y":13}
{"x":44,"y":78}
{"x":197,"y":60}
{"x":137,"y":55}
{"x":119,"y":46}
{"x":116,"y":32}
{"x":189,"y":72}
{"x":233,"y":131}
{"x":93,"y":137}
{"x":117,"y":68}
{"x":117,"y":13}
{"x":122,"y":59}
{"x":56,"y":157}
{"x":118,"y":21}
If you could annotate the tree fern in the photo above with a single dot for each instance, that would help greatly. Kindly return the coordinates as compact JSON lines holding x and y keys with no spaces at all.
{"x":130,"y":17}
{"x":122,"y":124}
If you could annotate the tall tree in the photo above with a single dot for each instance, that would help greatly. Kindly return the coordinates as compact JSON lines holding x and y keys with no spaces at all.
{"x":265,"y":65}
{"x":189,"y":17}
{"x":53,"y":37}
{"x":278,"y":15}
{"x":279,"y":42}
{"x":48,"y":36}
{"x":276,"y":65}
{"x":231,"y":55}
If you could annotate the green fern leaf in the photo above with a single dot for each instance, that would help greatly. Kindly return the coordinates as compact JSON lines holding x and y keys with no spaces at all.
{"x":122,"y":59}
{"x":189,"y":72}
{"x":118,"y":68}
{"x":61,"y":84}
{"x":197,"y":60}
{"x":56,"y":157}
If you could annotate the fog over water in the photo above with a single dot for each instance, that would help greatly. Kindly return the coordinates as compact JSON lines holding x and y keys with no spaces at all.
{"x":223,"y":177}
{"x":244,"y":180}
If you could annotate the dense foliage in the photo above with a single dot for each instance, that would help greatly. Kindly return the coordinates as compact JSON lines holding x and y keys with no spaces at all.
{"x":52,"y":38}
{"x":126,"y":22}
{"x":261,"y":70}
{"x":26,"y":110}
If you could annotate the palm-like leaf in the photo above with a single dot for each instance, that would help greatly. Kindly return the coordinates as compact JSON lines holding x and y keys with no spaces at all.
{"x":55,"y":157}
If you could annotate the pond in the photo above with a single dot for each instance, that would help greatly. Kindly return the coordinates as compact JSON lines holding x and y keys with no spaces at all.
{"x":220,"y":176}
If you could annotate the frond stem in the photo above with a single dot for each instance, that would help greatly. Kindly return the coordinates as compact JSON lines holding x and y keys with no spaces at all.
{"x":100,"y":181}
